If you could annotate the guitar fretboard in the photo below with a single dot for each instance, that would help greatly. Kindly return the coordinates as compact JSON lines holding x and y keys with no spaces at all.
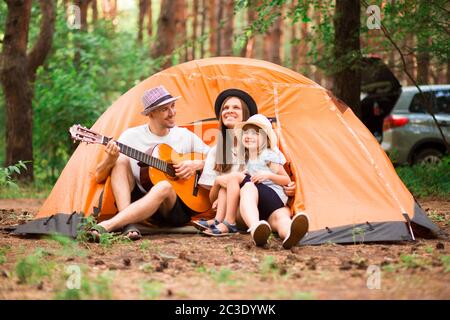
{"x":143,"y":157}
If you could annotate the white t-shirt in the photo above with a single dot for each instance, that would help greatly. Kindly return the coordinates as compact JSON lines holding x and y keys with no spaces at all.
{"x":180,"y":139}
{"x":209,"y":174}
{"x":261,"y":163}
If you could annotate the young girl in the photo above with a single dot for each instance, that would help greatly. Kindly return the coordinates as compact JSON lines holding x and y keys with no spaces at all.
{"x":261,"y":165}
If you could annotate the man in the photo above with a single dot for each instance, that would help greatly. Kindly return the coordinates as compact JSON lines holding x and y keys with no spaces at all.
{"x":160,"y":203}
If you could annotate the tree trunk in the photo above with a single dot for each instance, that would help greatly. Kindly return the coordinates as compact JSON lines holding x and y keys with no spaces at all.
{"x":219,"y":32}
{"x":83,"y":5}
{"x":227,"y":36}
{"x":17,"y":90}
{"x":141,"y":16}
{"x":213,"y":27}
{"x":448,"y":71}
{"x":94,"y":11}
{"x":109,"y":9}
{"x":272,"y":42}
{"x":149,"y":19}
{"x":409,"y":58}
{"x":303,"y":51}
{"x":295,"y":48}
{"x":164,"y":44}
{"x":181,"y":32}
{"x":318,"y":74}
{"x":248,"y":47}
{"x":347,"y":52}
{"x":423,"y":61}
{"x":17,"y":74}
{"x":43,"y":45}
{"x":203,"y":28}
{"x":194,"y":29}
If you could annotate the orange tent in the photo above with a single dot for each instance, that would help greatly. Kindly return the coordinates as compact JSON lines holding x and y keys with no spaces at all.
{"x":345,"y":182}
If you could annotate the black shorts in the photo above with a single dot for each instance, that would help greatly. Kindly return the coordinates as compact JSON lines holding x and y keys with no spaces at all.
{"x":177,"y":217}
{"x":268,"y":199}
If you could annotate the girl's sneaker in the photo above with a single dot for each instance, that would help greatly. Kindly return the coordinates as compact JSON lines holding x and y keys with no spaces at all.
{"x":299,"y":227}
{"x":260,"y":233}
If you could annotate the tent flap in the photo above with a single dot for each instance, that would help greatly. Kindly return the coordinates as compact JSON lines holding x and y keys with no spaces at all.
{"x":360,"y":233}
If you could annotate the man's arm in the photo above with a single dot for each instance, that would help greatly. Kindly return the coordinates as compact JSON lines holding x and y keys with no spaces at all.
{"x":104,"y":168}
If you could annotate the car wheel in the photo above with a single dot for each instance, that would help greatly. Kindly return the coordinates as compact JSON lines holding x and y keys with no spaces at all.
{"x":428,"y":156}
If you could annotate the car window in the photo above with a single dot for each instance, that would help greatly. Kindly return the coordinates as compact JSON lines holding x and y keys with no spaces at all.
{"x":440,"y":100}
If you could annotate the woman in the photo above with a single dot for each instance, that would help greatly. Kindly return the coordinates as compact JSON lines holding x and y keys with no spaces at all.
{"x":233,"y":106}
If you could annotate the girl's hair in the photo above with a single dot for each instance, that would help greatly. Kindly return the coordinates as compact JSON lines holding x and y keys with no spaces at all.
{"x":224,"y":157}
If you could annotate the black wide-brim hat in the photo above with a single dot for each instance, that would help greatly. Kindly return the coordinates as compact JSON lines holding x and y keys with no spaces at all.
{"x":244,"y":96}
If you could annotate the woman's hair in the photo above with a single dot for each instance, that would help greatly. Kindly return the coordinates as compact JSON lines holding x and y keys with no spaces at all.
{"x":224,"y":157}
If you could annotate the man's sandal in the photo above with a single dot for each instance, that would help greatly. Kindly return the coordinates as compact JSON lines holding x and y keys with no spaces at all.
{"x":213,"y":231}
{"x":94,"y":233}
{"x":203,"y":224}
{"x":132,"y":228}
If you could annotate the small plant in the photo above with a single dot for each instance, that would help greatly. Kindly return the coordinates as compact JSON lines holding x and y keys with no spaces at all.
{"x":147,"y":268}
{"x":3,"y":252}
{"x":6,"y":174}
{"x":99,"y":288}
{"x":446,"y":263}
{"x":102,"y":285}
{"x":83,"y":229}
{"x":358,"y":232}
{"x":436,"y":217}
{"x":229,"y":250}
{"x":107,"y":240}
{"x":32,"y":268}
{"x":302,"y":295}
{"x":151,"y":290}
{"x":389,"y":267}
{"x":224,"y":275}
{"x":412,"y":261}
{"x":429,"y":249}
{"x":201,"y":269}
{"x":145,"y":245}
{"x":268,"y":265}
{"x":69,"y":248}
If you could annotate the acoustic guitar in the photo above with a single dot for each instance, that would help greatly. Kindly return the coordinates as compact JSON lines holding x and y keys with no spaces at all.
{"x":157,"y":165}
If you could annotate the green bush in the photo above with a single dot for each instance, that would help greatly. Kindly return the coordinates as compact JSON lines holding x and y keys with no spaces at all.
{"x":427,"y":180}
{"x":6,"y":175}
{"x":66,"y":92}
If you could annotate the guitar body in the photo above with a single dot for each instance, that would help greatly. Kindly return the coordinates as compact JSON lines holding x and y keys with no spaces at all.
{"x":192,"y":195}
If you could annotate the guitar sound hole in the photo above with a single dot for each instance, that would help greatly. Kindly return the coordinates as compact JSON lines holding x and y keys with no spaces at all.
{"x":171,"y":171}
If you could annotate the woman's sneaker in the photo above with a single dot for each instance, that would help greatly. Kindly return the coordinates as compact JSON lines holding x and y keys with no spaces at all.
{"x":299,"y":227}
{"x":260,"y":233}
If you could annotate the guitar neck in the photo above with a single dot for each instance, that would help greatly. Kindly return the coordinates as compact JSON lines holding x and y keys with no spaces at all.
{"x":142,"y":157}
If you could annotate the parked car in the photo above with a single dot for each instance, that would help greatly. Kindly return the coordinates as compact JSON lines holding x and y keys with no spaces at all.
{"x":410,"y":134}
{"x":398,"y":118}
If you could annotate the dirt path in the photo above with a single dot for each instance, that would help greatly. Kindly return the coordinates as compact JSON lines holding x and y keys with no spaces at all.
{"x":187,"y":266}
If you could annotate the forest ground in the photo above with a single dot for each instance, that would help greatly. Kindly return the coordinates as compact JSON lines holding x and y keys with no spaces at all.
{"x":190,"y":266}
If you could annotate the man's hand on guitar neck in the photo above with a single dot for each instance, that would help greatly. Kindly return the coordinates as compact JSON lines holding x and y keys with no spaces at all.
{"x":113,"y":151}
{"x":104,"y":168}
{"x":185,"y":169}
